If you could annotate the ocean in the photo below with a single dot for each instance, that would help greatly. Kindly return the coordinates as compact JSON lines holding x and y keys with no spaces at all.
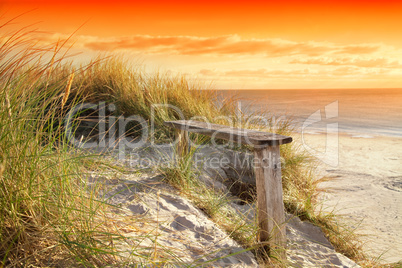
{"x":357,"y":112}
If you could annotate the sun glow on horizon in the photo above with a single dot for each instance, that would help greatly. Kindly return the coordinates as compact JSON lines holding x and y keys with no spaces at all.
{"x":261,"y":45}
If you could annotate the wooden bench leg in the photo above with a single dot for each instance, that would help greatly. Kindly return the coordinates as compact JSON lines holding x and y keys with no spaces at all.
{"x":271,"y":214}
{"x":182,"y":146}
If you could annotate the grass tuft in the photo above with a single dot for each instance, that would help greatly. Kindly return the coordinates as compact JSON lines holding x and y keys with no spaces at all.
{"x":47,"y":216}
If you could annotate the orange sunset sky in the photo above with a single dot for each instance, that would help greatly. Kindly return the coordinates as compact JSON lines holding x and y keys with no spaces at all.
{"x":235,"y":45}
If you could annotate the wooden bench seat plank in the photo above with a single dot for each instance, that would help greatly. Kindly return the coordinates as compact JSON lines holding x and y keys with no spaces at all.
{"x":239,"y":135}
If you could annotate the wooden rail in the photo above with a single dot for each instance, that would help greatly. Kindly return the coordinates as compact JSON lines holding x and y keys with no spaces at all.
{"x":267,"y":169}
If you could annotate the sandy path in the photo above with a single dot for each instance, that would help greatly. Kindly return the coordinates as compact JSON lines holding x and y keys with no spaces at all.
{"x":366,"y":188}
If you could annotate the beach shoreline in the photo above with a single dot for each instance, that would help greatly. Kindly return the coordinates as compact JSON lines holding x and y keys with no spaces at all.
{"x":364,"y":186}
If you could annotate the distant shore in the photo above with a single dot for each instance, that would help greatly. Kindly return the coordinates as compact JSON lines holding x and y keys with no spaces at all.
{"x":365,"y":187}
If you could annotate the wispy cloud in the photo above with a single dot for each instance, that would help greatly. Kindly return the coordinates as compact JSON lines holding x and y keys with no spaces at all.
{"x":232,"y":45}
{"x":267,"y":73}
{"x":223,"y":45}
{"x":305,"y":73}
{"x":358,"y":62}
{"x":357,"y":49}
{"x":259,"y":73}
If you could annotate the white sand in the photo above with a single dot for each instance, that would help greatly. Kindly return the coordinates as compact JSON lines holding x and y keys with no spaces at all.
{"x":185,"y":234}
{"x":366,"y":187}
{"x":154,"y":218}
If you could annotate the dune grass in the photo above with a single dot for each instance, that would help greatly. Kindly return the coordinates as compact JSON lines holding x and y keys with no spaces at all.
{"x":49,"y":217}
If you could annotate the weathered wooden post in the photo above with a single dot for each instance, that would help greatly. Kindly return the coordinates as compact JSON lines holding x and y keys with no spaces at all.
{"x":271,"y":213}
{"x":182,"y":145}
{"x":267,"y":169}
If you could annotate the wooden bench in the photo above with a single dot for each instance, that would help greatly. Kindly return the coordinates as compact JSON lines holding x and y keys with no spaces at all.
{"x":267,"y":169}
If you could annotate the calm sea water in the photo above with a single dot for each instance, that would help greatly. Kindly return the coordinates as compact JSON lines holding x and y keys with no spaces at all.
{"x":358,"y":112}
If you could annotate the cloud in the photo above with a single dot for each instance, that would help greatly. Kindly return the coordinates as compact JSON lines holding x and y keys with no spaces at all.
{"x":259,"y":73}
{"x":207,"y":72}
{"x":344,"y":71}
{"x":358,"y":49}
{"x":267,"y":73}
{"x":367,"y":63}
{"x":230,"y":45}
{"x":222,"y":45}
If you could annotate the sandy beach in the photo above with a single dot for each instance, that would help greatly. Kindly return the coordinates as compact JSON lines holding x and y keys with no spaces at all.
{"x":365,"y":187}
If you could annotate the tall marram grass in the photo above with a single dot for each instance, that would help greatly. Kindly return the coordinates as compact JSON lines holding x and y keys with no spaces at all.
{"x":47,"y":218}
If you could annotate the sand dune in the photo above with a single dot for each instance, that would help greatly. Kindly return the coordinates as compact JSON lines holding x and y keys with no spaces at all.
{"x":365,"y":187}
{"x":189,"y":234}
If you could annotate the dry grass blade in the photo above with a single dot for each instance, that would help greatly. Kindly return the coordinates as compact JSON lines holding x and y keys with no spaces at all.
{"x":67,"y":90}
{"x":8,"y":105}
